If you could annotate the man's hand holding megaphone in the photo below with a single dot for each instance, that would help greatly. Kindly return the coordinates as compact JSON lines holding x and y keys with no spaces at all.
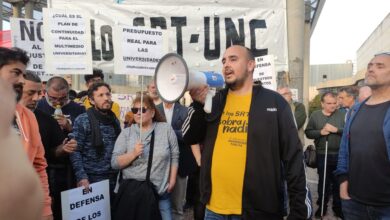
{"x":173,"y":79}
{"x":199,"y":94}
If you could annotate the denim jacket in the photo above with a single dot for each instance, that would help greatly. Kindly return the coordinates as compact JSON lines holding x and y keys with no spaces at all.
{"x":343,"y":161}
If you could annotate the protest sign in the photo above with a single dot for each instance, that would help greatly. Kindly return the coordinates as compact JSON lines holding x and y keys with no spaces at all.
{"x":27,"y":34}
{"x":87,"y":204}
{"x":265,"y":71}
{"x":67,"y":42}
{"x":138,"y":50}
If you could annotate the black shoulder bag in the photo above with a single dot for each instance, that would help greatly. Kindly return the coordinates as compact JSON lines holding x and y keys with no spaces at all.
{"x":137,"y":200}
{"x":310,"y":156}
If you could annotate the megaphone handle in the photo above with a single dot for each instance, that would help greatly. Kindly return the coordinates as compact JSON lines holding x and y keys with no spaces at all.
{"x":209,"y":100}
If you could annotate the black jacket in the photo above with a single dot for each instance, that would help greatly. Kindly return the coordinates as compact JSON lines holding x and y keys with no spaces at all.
{"x":187,"y":162}
{"x":272,"y":139}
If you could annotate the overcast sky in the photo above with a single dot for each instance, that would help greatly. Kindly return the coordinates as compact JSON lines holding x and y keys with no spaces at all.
{"x":343,"y":27}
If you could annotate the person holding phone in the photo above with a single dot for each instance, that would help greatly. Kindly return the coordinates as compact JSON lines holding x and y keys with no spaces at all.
{"x":57,"y":146}
{"x":96,"y":132}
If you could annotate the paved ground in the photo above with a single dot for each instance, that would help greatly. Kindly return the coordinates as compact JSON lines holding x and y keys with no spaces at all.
{"x":312,"y":179}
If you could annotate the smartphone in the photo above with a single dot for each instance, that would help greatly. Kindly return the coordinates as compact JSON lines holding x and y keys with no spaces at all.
{"x":71,"y":136}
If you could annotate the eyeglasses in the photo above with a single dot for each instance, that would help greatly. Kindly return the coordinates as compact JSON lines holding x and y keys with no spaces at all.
{"x":58,"y":99}
{"x":136,"y":110}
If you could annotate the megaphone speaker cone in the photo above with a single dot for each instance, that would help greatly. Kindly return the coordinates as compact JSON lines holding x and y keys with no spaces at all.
{"x":171,"y":77}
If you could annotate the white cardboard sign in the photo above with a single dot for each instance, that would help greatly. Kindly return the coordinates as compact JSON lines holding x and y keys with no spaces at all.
{"x":137,"y":50}
{"x":83,"y":204}
{"x":27,"y":34}
{"x":67,"y":42}
{"x":265,"y":71}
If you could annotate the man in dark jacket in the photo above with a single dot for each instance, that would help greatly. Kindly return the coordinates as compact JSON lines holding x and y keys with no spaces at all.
{"x":96,"y":132}
{"x":57,"y":95}
{"x":326,"y":127}
{"x":249,"y":132}
{"x":175,"y":114}
{"x":363,"y":167}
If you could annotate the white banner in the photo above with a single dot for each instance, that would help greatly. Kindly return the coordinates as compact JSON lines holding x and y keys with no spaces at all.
{"x":87,"y":204}
{"x":27,"y":34}
{"x":138,"y":50}
{"x":200,"y":30}
{"x":265,"y":71}
{"x":67,"y":42}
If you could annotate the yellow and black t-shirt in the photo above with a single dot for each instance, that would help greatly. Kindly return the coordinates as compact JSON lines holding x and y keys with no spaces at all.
{"x":229,"y":156}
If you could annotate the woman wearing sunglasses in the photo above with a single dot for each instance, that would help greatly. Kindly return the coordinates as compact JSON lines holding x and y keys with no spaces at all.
{"x":131,"y":152}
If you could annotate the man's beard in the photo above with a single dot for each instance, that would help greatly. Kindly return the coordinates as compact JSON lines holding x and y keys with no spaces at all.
{"x":18,"y":88}
{"x":237,"y":84}
{"x":105,"y":110}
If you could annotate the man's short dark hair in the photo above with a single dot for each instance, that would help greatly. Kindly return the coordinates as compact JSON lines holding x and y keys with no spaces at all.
{"x":331,"y":94}
{"x":96,"y":73}
{"x":95,"y":87}
{"x":248,"y":51}
{"x":57,"y":83}
{"x":31,"y":76}
{"x":14,"y":54}
{"x":351,"y":91}
{"x":72,"y":94}
{"x":82,"y":94}
{"x":250,"y":54}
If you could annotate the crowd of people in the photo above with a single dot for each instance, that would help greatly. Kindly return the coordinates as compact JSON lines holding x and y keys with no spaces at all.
{"x":244,"y":160}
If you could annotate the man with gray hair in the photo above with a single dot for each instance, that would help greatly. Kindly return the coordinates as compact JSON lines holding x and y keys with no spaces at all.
{"x":363,"y":167}
{"x":298,"y":110}
{"x":57,"y":147}
{"x":57,"y":89}
{"x":347,"y":97}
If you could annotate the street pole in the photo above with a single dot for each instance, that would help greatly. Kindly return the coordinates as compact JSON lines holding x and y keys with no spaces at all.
{"x":1,"y":15}
{"x":306,"y":59}
{"x":295,"y":39}
{"x":16,"y":10}
{"x":29,"y":10}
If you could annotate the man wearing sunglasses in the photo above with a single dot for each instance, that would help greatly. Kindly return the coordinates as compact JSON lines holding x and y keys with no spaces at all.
{"x":57,"y":89}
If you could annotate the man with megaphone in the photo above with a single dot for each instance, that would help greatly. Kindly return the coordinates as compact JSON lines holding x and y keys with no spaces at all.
{"x":248,"y":133}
